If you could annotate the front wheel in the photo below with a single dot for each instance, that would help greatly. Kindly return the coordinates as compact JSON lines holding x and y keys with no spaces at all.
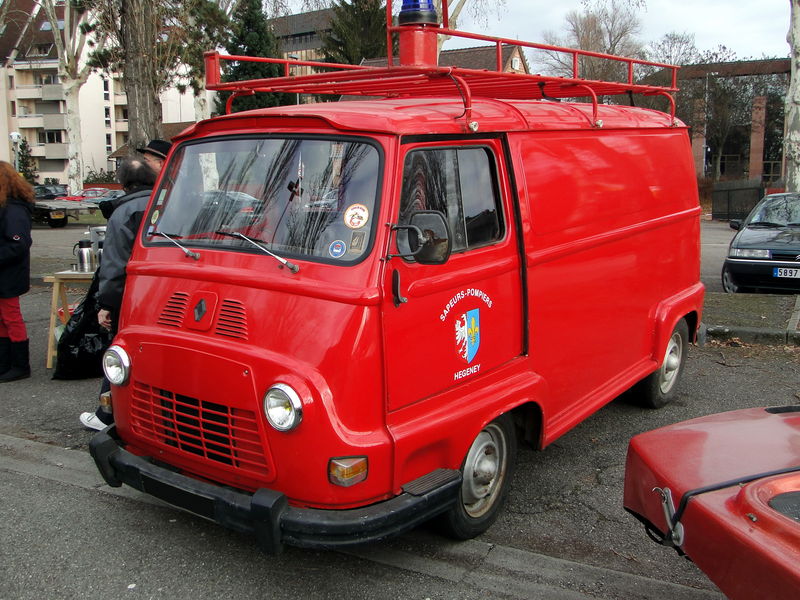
{"x":486,"y":477}
{"x":728,"y":284}
{"x":659,"y":388}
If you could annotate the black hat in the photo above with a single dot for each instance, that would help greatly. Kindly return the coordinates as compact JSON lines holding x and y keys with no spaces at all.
{"x":158,"y":148}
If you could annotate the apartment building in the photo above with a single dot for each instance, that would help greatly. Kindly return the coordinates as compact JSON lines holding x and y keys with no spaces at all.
{"x":32,"y":103}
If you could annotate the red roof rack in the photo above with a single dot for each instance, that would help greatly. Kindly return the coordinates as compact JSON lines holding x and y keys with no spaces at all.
{"x":425,"y":78}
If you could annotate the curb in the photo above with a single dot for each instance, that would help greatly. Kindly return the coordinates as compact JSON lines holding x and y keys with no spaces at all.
{"x":757,"y":335}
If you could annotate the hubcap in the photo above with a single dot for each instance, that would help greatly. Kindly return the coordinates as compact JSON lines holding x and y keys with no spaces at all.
{"x":484,"y":470}
{"x":672,"y":363}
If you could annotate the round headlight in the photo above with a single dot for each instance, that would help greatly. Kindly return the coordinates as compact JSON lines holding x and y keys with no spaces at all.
{"x":116,"y":365}
{"x":283,"y":407}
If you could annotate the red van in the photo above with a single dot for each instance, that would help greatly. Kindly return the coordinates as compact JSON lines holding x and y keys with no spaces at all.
{"x":340,"y":318}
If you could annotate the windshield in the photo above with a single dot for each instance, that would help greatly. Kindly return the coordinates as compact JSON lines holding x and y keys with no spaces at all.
{"x":779,"y":211}
{"x":312,"y":198}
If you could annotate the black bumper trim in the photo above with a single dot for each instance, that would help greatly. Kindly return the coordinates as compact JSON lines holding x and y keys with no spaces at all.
{"x":266,"y":513}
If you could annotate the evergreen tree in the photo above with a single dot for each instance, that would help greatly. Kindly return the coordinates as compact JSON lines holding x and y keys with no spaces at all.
{"x":26,"y":164}
{"x":251,"y":36}
{"x":358,"y":31}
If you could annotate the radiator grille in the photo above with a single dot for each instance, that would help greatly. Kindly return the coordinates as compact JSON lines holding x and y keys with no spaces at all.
{"x":232,"y":320}
{"x":174,"y":310}
{"x":787,"y":256}
{"x":214,"y":431}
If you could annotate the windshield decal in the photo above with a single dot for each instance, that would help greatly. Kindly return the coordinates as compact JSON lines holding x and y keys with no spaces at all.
{"x":356,"y":216}
{"x":337,"y":248}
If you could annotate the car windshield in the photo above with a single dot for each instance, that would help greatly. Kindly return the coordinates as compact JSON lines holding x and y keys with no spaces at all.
{"x":777,"y":212}
{"x":312,"y":198}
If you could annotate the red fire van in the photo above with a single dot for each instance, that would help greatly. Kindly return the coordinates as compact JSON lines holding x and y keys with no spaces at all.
{"x":339,"y":318}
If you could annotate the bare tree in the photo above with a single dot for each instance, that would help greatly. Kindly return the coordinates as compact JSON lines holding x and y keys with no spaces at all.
{"x":792,"y":137}
{"x":73,"y":72}
{"x":673,"y":49}
{"x":609,"y":28}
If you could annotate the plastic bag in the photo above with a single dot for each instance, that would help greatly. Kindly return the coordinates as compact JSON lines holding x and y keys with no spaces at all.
{"x":82,"y":344}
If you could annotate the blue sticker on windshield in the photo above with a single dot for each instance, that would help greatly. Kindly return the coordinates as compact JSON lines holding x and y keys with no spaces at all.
{"x":337,"y":249}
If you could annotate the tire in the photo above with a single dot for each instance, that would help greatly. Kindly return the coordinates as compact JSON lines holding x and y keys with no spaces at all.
{"x":659,"y":388}
{"x":728,"y":285}
{"x":56,"y":223}
{"x":487,"y":471}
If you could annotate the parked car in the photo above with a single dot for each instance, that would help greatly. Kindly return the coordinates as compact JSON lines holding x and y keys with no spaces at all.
{"x":765,"y":254}
{"x":91,"y":194}
{"x":724,"y":490}
{"x":49,"y":191}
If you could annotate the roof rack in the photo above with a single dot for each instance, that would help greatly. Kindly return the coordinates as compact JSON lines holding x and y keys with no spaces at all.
{"x":419,"y":75}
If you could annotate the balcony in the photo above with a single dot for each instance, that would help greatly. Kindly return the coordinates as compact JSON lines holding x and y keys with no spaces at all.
{"x":30,"y":121}
{"x":120,"y":98}
{"x":53,"y":91}
{"x":29,"y":92}
{"x":37,"y":151}
{"x":55,"y":151}
{"x":56,"y":121}
{"x":121,"y":125}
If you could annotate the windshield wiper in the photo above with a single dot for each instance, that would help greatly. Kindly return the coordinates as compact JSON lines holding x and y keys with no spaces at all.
{"x":289,"y":265}
{"x":186,"y":251}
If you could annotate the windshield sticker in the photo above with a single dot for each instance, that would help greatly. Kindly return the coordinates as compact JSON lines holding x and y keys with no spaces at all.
{"x":356,"y":216}
{"x":357,"y":241}
{"x":154,"y":218}
{"x":337,"y":249}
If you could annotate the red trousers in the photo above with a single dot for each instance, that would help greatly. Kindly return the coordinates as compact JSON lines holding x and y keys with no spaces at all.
{"x":11,"y":324}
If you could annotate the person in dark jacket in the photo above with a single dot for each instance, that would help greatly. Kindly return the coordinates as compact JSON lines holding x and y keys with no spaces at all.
{"x":16,"y":208}
{"x":137,"y":179}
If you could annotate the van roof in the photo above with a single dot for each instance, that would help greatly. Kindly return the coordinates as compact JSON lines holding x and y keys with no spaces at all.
{"x":416,"y":116}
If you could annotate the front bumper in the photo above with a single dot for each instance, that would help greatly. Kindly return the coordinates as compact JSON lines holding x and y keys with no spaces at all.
{"x":758,"y":274}
{"x":266,"y":513}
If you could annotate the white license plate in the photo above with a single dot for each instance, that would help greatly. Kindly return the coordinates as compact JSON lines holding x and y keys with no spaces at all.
{"x":784,"y":272}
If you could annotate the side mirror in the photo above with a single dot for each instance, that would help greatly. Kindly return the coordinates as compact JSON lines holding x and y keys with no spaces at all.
{"x":735,"y":224}
{"x":426,"y":238}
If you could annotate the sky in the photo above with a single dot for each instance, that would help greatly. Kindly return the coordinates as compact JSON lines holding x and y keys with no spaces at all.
{"x":751,"y":28}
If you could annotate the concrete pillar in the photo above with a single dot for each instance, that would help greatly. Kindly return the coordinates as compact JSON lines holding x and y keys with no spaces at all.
{"x":757,"y":128}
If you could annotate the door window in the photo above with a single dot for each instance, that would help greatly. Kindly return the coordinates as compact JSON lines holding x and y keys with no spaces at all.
{"x":462,"y":184}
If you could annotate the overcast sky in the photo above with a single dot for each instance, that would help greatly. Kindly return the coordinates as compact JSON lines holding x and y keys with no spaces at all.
{"x":751,"y":28}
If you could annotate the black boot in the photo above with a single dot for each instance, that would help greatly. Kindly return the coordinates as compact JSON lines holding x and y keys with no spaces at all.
{"x":20,"y":363}
{"x":5,"y":354}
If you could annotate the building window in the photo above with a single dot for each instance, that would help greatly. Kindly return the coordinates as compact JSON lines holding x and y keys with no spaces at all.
{"x":11,"y":82}
{"x":13,"y":109}
{"x":109,"y":148}
{"x":40,"y":50}
{"x":50,"y":137}
{"x":45,"y":78}
{"x":106,"y":94}
{"x":515,"y":63}
{"x":108,"y":116}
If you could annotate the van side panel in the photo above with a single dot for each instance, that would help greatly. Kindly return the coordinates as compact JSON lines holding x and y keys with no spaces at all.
{"x":613,"y":232}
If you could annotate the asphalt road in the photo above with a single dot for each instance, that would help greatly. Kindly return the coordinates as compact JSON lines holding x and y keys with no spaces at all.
{"x":563,"y":533}
{"x":714,"y":239}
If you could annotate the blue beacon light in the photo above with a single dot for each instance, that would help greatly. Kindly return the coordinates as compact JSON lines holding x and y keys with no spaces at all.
{"x":418,"y":12}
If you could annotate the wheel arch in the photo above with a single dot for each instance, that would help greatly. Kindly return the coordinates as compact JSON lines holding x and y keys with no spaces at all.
{"x":686,"y":305}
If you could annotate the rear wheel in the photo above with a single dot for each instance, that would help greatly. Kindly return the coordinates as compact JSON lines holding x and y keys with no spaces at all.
{"x":486,"y":476}
{"x":57,"y":222}
{"x":659,"y":388}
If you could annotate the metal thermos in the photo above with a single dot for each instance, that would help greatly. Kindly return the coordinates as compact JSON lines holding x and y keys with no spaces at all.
{"x":86,"y":259}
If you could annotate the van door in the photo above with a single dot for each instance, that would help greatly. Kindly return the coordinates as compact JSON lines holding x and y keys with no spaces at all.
{"x":449,"y":324}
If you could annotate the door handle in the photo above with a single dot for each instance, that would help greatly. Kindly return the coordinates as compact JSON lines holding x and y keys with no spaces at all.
{"x":397,"y":296}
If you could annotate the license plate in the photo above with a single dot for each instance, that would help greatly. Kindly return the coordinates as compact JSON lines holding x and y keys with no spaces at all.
{"x":57,"y":214}
{"x":784,"y":272}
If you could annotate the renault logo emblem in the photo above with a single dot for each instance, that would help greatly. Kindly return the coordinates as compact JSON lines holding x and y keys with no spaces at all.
{"x":199,"y":310}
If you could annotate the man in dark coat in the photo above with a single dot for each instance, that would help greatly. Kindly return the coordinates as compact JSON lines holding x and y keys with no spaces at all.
{"x":137,"y":179}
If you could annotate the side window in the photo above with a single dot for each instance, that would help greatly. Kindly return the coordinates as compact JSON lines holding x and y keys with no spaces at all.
{"x":462,"y":184}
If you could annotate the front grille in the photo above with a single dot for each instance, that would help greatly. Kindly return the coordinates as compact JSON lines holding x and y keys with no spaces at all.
{"x":174,"y":310}
{"x":214,"y":431}
{"x":787,"y":256}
